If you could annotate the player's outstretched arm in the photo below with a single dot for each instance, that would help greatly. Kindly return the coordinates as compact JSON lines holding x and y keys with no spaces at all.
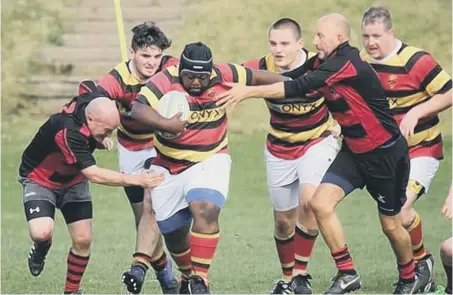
{"x":109,"y":177}
{"x":147,"y":115}
{"x":266,"y":78}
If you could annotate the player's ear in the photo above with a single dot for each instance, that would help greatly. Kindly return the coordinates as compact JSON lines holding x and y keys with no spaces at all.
{"x":131,"y":53}
{"x":301,"y":42}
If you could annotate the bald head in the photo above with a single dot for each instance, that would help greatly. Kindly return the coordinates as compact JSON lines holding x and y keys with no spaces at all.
{"x":338,"y":23}
{"x":331,"y":31}
{"x":102,"y":117}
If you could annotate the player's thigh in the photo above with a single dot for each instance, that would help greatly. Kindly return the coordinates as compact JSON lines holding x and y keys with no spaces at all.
{"x":282,"y":182}
{"x":81,"y":231}
{"x":313,"y":165}
{"x":39,"y":207}
{"x":76,"y":204}
{"x":209,"y":180}
{"x":422,"y":172}
{"x":386,"y":175}
{"x":132,"y":163}
{"x":343,"y":173}
{"x":167,"y":200}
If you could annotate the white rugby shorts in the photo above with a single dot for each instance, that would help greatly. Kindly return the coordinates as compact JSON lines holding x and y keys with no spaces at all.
{"x":285,"y":178}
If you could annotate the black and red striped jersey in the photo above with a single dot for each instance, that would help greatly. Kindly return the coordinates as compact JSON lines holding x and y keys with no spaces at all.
{"x":61,"y":148}
{"x":354,"y":95}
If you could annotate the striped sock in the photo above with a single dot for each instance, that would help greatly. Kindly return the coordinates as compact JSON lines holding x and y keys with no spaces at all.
{"x":76,"y":268}
{"x":416,"y":234}
{"x":343,"y":260}
{"x":303,"y":247}
{"x":285,"y":250}
{"x":184,"y":261}
{"x":407,"y":271}
{"x":203,"y":248}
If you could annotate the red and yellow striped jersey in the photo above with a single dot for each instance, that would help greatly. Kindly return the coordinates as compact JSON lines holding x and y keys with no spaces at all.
{"x":206,"y":133}
{"x":122,"y":86}
{"x":411,"y":77}
{"x":294,"y":125}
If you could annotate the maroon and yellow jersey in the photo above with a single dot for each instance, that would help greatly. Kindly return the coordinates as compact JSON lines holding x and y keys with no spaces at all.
{"x":411,"y":77}
{"x":206,"y":133}
{"x":295,"y":125}
{"x":122,"y":86}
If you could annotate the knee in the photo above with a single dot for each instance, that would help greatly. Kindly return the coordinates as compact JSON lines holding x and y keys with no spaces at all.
{"x":284,"y":226}
{"x":205,"y":211}
{"x":44,"y":234}
{"x":391,"y":227}
{"x":82,"y":240}
{"x":321,"y":206}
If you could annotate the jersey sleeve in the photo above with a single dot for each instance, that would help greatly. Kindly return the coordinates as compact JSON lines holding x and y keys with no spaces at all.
{"x":330,"y":72}
{"x":233,"y":73}
{"x":75,"y":148}
{"x":156,"y":87}
{"x":110,"y":87}
{"x":427,"y":72}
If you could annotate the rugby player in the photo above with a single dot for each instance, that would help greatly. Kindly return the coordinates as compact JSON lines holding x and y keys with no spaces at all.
{"x":54,"y":172}
{"x":412,"y":80}
{"x":298,"y":151}
{"x":373,"y":154}
{"x":196,"y":165}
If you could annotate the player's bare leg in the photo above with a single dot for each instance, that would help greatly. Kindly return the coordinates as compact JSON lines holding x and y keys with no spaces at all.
{"x":41,"y":231}
{"x":284,"y":231}
{"x":149,"y":250}
{"x":204,"y":238}
{"x":400,"y":241}
{"x":323,"y":204}
{"x":79,"y":254}
{"x":162,"y":266}
{"x":304,"y":241}
{"x":412,"y":223}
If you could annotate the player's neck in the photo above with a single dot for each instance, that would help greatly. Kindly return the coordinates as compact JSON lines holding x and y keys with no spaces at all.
{"x":136,"y":73}
{"x":392,"y":51}
{"x":297,"y":62}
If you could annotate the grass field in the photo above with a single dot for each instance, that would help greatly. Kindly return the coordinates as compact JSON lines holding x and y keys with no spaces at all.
{"x":246,"y":261}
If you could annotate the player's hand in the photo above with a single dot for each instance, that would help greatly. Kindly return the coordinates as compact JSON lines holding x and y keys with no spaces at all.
{"x":230,"y":98}
{"x":175,"y":124}
{"x":408,"y":124}
{"x":108,"y":143}
{"x":150,"y":179}
{"x":447,"y":210}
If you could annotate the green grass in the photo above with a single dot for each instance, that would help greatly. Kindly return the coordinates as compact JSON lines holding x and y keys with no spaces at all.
{"x":245,"y":261}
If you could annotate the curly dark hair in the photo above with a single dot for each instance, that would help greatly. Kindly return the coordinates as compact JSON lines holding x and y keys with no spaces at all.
{"x":148,"y":34}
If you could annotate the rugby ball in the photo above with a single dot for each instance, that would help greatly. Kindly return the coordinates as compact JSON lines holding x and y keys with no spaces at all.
{"x":169,"y":105}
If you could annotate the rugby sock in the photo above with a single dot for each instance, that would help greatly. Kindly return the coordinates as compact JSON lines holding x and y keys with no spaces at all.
{"x":285,"y":250}
{"x":343,"y":260}
{"x":448,"y":272}
{"x":76,"y":267}
{"x":42,"y":247}
{"x":141,"y":260}
{"x":203,"y":248}
{"x":184,"y":261}
{"x":304,"y":243}
{"x":416,"y":234}
{"x":407,"y":271}
{"x":160,"y":262}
